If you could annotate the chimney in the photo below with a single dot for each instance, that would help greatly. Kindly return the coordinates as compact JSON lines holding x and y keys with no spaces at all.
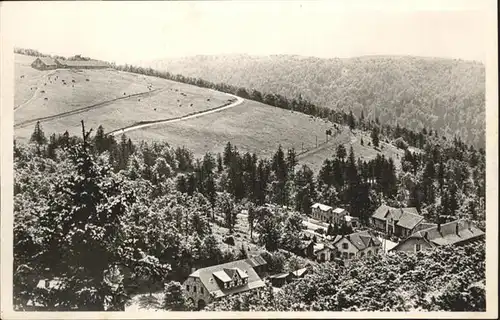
{"x":193,"y":269}
{"x":457,"y":228}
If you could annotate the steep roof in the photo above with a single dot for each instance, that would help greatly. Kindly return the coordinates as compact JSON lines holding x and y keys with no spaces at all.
{"x":407,"y":214}
{"x":409,"y":219}
{"x":425,"y":225}
{"x":321,"y":246}
{"x":47,"y":61}
{"x":300,"y":272}
{"x":322,"y":207}
{"x":280,"y":275}
{"x":256,"y":261}
{"x":361,"y":240}
{"x":339,"y":210}
{"x":208,"y":277}
{"x":381,"y":212}
{"x":449,"y":233}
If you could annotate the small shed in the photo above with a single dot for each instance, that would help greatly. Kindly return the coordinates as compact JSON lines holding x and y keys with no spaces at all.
{"x":280,"y":279}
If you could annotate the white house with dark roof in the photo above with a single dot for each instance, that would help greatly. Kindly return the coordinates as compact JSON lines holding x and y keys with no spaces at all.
{"x":356,"y":245}
{"x":215,"y":282}
{"x":400,"y":222}
{"x":451,"y":233}
{"x":321,"y":212}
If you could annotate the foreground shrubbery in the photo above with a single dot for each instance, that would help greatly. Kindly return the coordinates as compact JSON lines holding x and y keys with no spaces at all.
{"x":446,"y":279}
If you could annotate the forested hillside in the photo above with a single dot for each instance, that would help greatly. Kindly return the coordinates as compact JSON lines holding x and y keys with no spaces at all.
{"x":442,"y":94}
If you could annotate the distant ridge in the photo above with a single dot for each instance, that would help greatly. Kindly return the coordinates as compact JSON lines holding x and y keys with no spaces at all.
{"x":447,"y":95}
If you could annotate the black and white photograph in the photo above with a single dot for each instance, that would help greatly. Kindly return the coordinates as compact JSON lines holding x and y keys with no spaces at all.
{"x":177,"y":159}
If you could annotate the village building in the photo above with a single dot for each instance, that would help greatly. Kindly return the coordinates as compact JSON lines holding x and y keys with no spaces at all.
{"x":324,"y":252}
{"x":452,"y":233}
{"x":351,"y":221}
{"x":207,"y":284}
{"x":321,"y":212}
{"x":356,"y":245}
{"x":400,"y":222}
{"x":44,"y":63}
{"x":259,"y":264}
{"x":280,"y":279}
{"x":339,"y":216}
{"x":325,"y":213}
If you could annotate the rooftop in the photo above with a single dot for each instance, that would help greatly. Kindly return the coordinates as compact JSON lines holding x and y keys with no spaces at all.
{"x":449,"y":233}
{"x":225,"y":272}
{"x":322,"y":207}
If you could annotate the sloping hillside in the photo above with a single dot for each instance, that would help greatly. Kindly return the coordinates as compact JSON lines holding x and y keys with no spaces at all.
{"x":118,"y":100}
{"x":442,"y":94}
{"x":112,"y":98}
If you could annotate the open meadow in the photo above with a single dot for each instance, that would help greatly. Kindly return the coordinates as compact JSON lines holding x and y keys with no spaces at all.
{"x":62,"y":98}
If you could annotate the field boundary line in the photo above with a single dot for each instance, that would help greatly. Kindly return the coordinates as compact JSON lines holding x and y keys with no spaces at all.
{"x":84,"y":109}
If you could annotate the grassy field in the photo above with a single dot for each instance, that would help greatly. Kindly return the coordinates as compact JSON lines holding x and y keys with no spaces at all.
{"x":251,"y":126}
{"x":258,"y":128}
{"x":171,"y":100}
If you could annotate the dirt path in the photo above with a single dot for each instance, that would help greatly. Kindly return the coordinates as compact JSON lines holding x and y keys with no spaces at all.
{"x":141,"y":125}
{"x":38,"y":89}
{"x":84,"y":109}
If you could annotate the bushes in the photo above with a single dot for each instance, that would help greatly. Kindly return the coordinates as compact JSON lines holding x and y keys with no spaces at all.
{"x":401,"y":143}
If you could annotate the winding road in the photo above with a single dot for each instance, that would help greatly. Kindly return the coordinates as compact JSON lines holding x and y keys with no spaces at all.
{"x":177,"y":119}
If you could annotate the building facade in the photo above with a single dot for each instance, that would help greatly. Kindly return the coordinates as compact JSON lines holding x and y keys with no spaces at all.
{"x":215,"y":282}
{"x":399,"y":222}
{"x":357,"y":245}
{"x":453,"y":233}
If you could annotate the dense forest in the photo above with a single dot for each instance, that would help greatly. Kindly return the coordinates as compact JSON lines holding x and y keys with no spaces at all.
{"x":439,"y":94}
{"x":87,"y":207}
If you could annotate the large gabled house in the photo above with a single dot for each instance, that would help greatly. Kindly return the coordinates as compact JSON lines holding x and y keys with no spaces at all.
{"x":44,"y":63}
{"x":356,"y":245}
{"x":207,"y":284}
{"x":451,"y":233}
{"x":400,"y":222}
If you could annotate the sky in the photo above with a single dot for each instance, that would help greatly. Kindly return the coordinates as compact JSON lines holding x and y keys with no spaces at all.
{"x":127,"y":32}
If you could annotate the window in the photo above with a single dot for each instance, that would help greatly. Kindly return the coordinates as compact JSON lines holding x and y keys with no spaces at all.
{"x":344,"y":255}
{"x":362,"y":254}
{"x":418,"y":247}
{"x":351,"y":255}
{"x":194,"y":289}
{"x":201,"y":290}
{"x":345,"y":245}
{"x":187,"y":288}
{"x":369,"y":253}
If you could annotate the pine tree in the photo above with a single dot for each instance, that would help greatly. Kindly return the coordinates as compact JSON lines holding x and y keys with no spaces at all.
{"x":374,"y":136}
{"x":38,"y":136}
{"x":226,"y":206}
{"x":100,"y":140}
{"x":341,"y":152}
{"x":174,"y":299}
{"x":352,"y":121}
